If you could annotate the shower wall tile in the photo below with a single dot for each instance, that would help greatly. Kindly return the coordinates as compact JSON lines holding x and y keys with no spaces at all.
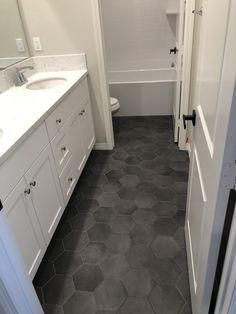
{"x":138,"y":33}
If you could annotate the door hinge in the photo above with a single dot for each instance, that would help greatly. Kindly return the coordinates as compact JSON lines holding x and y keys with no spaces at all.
{"x":228,"y":181}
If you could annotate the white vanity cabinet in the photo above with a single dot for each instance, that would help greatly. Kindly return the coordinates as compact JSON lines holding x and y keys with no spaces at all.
{"x":38,"y":178}
{"x":87,"y":127}
{"x":45,"y":193}
{"x":24,"y":224}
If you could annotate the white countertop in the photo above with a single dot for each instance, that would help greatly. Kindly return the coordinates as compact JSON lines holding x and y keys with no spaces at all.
{"x":22,"y":110}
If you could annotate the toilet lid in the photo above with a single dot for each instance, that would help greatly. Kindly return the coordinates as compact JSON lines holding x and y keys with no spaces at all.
{"x":114,"y":101}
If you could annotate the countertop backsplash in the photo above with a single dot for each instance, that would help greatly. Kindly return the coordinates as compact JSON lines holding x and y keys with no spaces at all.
{"x":69,"y":62}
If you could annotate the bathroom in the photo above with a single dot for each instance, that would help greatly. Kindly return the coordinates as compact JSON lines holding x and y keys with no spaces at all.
{"x":117,"y":175}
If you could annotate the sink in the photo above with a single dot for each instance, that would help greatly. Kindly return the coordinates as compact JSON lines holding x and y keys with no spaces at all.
{"x":46,"y":83}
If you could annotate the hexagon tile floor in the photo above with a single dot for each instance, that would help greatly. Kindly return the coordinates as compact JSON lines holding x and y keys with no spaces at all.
{"x":120,"y":248}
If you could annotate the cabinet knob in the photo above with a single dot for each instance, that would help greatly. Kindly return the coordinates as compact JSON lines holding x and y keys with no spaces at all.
{"x":27,"y":191}
{"x":58,"y":121}
{"x":70,"y":179}
{"x":33,"y":183}
{"x":83,"y":111}
{"x":63,"y":149}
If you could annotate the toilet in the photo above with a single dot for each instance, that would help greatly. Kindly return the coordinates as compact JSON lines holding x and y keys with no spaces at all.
{"x":115,"y":105}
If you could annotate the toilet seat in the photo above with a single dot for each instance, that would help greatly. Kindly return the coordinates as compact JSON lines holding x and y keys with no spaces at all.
{"x":115,"y":105}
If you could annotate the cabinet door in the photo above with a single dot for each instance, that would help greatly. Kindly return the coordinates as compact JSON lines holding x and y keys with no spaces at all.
{"x":87,"y":127}
{"x":24,"y":224}
{"x":46,"y":194}
{"x":68,"y":180}
{"x":76,"y":143}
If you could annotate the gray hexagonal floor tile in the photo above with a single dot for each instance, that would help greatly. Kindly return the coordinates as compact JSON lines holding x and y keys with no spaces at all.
{"x":58,"y":290}
{"x":109,"y":199}
{"x":99,"y":232}
{"x":166,"y":299}
{"x":144,"y":216}
{"x":54,"y":249}
{"x":82,"y":222}
{"x":165,"y":209}
{"x":55,"y":309}
{"x":115,"y":266}
{"x":125,"y":207}
{"x":88,"y":278}
{"x":94,"y":253}
{"x":146,"y":201}
{"x":164,"y":246}
{"x":67,"y":263}
{"x":75,"y":241}
{"x":110,"y":295}
{"x":180,"y":237}
{"x":92,"y":192}
{"x":111,"y":186}
{"x":133,"y":160}
{"x":122,"y":224}
{"x":165,"y":226}
{"x":81,"y":303}
{"x":119,"y":243}
{"x":140,"y":256}
{"x":87,"y":205}
{"x":183,"y":286}
{"x":138,"y":283}
{"x":62,"y":230}
{"x":114,"y":175}
{"x":44,"y":273}
{"x":137,"y":306}
{"x":164,"y":271}
{"x":129,"y":181}
{"x":142,"y":234}
{"x":104,"y":214}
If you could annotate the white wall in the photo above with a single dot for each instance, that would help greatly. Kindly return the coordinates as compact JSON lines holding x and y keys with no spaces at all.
{"x":138,"y":33}
{"x":66,"y":27}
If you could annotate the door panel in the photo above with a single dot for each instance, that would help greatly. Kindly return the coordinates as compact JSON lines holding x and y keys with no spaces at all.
{"x":46,"y":194}
{"x":87,"y":128}
{"x":25,"y":226}
{"x":195,"y":215}
{"x":212,"y":62}
{"x":202,"y":227}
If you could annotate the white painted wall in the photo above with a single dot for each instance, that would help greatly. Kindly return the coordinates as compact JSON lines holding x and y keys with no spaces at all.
{"x":66,"y":28}
{"x":138,"y":33}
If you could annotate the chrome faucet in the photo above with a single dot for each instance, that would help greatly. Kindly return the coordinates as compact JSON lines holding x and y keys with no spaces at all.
{"x":20,"y":78}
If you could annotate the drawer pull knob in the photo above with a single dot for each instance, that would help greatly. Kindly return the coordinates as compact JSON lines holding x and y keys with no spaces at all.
{"x":70,"y":179}
{"x":83,"y":111}
{"x":63,"y":149}
{"x":27,"y":191}
{"x":58,"y":121}
{"x":33,"y":183}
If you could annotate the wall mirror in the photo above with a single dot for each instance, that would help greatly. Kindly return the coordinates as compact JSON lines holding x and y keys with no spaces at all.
{"x":13,"y":45}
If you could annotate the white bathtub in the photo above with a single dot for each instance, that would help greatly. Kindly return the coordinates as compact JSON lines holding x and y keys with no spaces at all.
{"x":143,"y":92}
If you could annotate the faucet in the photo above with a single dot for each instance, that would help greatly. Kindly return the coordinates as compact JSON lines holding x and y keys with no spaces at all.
{"x":20,"y":78}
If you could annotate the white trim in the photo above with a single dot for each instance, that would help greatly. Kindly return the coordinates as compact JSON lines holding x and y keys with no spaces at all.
{"x":99,"y":40}
{"x":101,"y":146}
{"x":188,"y":149}
{"x":187,"y":62}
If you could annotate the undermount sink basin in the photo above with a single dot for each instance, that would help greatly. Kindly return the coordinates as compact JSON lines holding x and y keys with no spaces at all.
{"x":46,"y":83}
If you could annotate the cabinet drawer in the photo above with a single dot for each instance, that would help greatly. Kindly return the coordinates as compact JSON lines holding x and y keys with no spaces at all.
{"x":21,"y":159}
{"x":68,"y":180}
{"x":59,"y":116}
{"x":61,"y":148}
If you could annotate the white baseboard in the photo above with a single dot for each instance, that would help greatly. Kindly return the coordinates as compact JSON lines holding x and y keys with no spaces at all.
{"x":101,"y":146}
{"x":188,"y":148}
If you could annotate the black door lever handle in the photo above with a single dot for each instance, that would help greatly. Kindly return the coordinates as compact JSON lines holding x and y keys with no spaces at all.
{"x":191,"y":117}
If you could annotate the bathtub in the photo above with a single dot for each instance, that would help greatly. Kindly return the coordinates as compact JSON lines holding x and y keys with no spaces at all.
{"x":143,"y":92}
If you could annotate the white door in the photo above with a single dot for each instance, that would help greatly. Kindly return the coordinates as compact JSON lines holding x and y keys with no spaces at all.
{"x":180,"y":23}
{"x":24,"y":225}
{"x":45,"y":193}
{"x":208,"y":185}
{"x":87,"y":128}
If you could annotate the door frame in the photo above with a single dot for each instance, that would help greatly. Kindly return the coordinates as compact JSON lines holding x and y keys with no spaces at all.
{"x":105,"y":94}
{"x":186,"y":71}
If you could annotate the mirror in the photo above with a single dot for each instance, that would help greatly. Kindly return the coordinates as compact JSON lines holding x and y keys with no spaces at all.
{"x":13,"y":45}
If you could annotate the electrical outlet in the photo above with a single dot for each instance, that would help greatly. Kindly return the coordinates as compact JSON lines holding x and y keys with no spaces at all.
{"x":37,"y":44}
{"x":20,"y":45}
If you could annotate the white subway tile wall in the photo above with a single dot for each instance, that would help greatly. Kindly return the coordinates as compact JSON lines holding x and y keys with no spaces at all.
{"x":138,"y":34}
